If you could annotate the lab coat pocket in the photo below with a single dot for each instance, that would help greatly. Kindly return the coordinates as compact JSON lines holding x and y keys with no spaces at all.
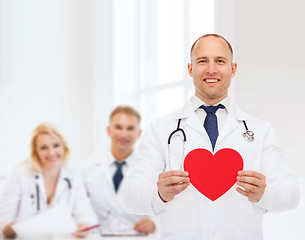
{"x":239,"y":235}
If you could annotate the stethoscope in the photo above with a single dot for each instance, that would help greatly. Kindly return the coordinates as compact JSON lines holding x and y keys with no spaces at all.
{"x":38,"y":191}
{"x":248,"y":136}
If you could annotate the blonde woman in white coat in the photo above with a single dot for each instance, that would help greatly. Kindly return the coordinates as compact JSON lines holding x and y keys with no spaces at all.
{"x":43,"y":182}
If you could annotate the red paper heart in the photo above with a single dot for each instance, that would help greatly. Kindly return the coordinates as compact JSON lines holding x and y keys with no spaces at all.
{"x":213,"y":175}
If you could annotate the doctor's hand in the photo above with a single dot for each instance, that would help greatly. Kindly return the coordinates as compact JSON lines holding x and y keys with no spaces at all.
{"x":172,"y":183}
{"x":145,"y":225}
{"x":253,"y":183}
{"x":9,"y":232}
{"x":79,"y":233}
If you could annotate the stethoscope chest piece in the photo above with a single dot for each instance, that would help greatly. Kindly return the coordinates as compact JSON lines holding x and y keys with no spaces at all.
{"x":248,"y":135}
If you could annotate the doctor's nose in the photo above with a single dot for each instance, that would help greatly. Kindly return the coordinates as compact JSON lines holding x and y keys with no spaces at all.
{"x":121,"y":132}
{"x":124,"y":133}
{"x":211,"y":69}
{"x":51,"y":151}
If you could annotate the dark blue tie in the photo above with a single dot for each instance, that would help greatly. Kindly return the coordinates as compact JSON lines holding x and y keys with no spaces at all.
{"x":210,"y":122}
{"x":118,"y":176}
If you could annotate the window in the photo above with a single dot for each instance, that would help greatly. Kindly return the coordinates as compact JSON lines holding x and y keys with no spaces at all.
{"x":153,"y":40}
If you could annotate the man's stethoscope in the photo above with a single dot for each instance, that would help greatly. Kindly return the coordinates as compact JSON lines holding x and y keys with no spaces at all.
{"x":248,"y":136}
{"x":38,"y":191}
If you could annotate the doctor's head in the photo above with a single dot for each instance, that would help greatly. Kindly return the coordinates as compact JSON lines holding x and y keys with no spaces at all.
{"x":212,"y":68}
{"x":48,"y":148}
{"x":123,"y":131}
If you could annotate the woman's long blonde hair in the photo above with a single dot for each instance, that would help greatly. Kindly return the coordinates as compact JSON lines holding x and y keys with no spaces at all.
{"x":45,"y":128}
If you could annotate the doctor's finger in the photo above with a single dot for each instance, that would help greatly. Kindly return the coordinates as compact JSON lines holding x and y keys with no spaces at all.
{"x":251,"y":180}
{"x":178,"y":188}
{"x":174,"y":180}
{"x":252,"y":174}
{"x":145,"y":225}
{"x":248,"y":187}
{"x":243,"y":192}
{"x":9,"y":232}
{"x":252,"y":196}
{"x":79,"y":233}
{"x":173,"y":173}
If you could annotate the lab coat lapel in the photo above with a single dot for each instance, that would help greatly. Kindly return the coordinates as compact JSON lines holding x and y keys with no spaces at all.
{"x":105,"y":171}
{"x":112,"y":198}
{"x":62,"y":183}
{"x":102,"y":163}
{"x":234,"y":117}
{"x":109,"y":160}
{"x":191,"y":119}
{"x":41,"y":186}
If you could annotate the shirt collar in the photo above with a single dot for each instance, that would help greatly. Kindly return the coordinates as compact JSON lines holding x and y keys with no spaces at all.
{"x":197,"y":103}
{"x":64,"y":173}
{"x":126,"y":160}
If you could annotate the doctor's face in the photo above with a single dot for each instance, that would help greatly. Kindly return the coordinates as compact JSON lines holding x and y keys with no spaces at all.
{"x":211,"y":68}
{"x":123,"y":130}
{"x":50,"y":150}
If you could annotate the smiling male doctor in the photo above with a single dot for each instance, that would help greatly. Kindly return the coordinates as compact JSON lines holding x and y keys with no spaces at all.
{"x":211,"y":121}
{"x":104,"y":176}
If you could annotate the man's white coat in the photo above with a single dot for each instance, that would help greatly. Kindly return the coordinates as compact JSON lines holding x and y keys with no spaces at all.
{"x":191,"y":215}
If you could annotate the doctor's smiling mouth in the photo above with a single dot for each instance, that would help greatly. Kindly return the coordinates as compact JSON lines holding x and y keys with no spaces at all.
{"x":211,"y":81}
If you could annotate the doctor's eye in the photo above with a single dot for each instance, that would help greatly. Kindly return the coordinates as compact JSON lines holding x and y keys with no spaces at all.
{"x":221,"y":61}
{"x":202,"y":61}
{"x":43,"y":148}
{"x":56,"y":145}
{"x":118,"y":127}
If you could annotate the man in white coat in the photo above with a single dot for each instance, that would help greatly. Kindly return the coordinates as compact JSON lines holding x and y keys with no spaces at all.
{"x":192,"y":204}
{"x":104,"y":177}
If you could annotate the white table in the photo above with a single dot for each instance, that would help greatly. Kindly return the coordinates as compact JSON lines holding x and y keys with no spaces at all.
{"x":91,"y":237}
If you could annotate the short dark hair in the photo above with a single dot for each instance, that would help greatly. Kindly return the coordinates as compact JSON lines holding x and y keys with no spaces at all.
{"x":211,"y":35}
{"x":128,"y":110}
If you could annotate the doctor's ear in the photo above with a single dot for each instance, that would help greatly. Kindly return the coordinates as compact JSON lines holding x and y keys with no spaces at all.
{"x":139,"y":133}
{"x":108,"y":130}
{"x":234,"y":69}
{"x":190,"y":69}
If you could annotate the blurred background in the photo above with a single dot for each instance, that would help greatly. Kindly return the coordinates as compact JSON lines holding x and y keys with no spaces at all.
{"x":70,"y":62}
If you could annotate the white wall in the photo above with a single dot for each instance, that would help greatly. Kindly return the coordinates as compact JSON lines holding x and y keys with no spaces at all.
{"x":45,"y":74}
{"x":102,"y":95}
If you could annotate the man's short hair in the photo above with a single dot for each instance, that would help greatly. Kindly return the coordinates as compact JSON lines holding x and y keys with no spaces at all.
{"x":211,"y":35}
{"x":128,"y":110}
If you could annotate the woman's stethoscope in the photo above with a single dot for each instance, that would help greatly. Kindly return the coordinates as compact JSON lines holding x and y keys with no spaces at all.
{"x":38,"y":191}
{"x":248,"y":136}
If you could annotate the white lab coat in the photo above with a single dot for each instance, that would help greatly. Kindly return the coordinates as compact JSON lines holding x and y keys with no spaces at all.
{"x":106,"y":203}
{"x":192,"y":216}
{"x":18,"y":198}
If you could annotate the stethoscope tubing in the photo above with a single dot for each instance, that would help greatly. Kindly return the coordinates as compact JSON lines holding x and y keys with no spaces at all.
{"x":37,"y":196}
{"x":248,"y":136}
{"x":38,"y":191}
{"x":175,"y":131}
